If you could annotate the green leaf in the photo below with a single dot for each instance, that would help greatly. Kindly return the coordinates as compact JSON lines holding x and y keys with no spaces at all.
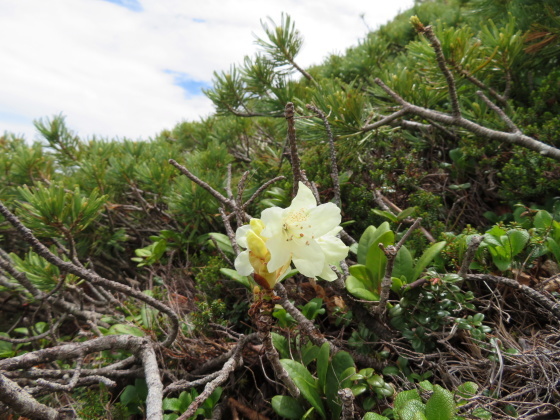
{"x":365,"y":241}
{"x":281,"y":344}
{"x":467,"y":390}
{"x":517,"y":240}
{"x":481,"y":413}
{"x":404,"y":264}
{"x":543,"y":220}
{"x":358,"y":289}
{"x":503,"y":264}
{"x":323,"y":365}
{"x":234,"y":275}
{"x":359,"y":389}
{"x":362,"y":273}
{"x":172,"y":404}
{"x":370,"y":235}
{"x":412,"y":410}
{"x":441,"y":405}
{"x":124,"y":329}
{"x":129,"y":396}
{"x":374,"y":416}
{"x":426,"y":258}
{"x":426,"y":386}
{"x":376,"y":381}
{"x":287,"y":407}
{"x":341,"y":362}
{"x":185,"y":399}
{"x":223,"y":242}
{"x":405,"y":396}
{"x":309,"y":354}
{"x":6,"y":349}
{"x":306,"y":384}
{"x":553,"y":247}
{"x":376,"y":259}
{"x":341,"y":368}
{"x":406,"y":213}
{"x":386,"y":214}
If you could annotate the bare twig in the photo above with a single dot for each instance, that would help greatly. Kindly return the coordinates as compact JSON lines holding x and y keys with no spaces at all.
{"x":36,"y":337}
{"x":334,"y":168}
{"x":263,"y":320}
{"x":141,"y":347}
{"x":309,"y":329}
{"x":229,"y":230}
{"x":459,"y":121}
{"x":93,"y":277}
{"x":23,"y":403}
{"x":469,"y":255}
{"x":154,"y":399}
{"x":536,"y":296}
{"x":391,"y":253}
{"x":234,"y":361}
{"x":383,"y":121}
{"x":294,"y":155}
{"x":347,"y":398}
{"x":440,"y":58}
{"x":261,"y":189}
{"x":510,"y":125}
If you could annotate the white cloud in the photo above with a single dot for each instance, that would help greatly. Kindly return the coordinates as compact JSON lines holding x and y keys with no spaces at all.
{"x":113,"y":71}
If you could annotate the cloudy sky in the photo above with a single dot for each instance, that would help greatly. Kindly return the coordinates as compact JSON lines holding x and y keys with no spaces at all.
{"x":131,"y":68}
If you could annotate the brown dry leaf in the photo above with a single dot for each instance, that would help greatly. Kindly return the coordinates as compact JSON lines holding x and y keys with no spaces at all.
{"x":523,"y":278}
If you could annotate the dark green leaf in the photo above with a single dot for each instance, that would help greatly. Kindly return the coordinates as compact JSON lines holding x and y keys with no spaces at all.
{"x":287,"y":407}
{"x":306,"y":384}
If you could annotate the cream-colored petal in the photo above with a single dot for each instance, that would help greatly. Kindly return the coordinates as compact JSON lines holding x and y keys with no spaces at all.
{"x":273,"y":222}
{"x":328,"y":274}
{"x":335,"y":231}
{"x":333,"y":249}
{"x":241,"y":236}
{"x":304,"y":198}
{"x":280,"y":253}
{"x":308,"y":258}
{"x":242,"y":264}
{"x":324,"y":218}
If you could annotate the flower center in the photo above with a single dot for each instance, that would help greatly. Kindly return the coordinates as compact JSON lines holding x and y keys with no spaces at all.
{"x":295,"y":226}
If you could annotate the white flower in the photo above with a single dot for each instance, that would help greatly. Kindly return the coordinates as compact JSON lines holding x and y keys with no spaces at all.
{"x":305,"y":234}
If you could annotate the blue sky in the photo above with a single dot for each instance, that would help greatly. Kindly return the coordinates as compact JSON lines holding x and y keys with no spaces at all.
{"x":132,"y":5}
{"x":131,"y":68}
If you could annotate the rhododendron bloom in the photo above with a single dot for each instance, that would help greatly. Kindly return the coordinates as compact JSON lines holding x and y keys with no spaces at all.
{"x":255,"y":258}
{"x":303,"y":233}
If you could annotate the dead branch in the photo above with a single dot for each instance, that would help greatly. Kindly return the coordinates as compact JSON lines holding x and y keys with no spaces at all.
{"x":22,"y":402}
{"x":90,"y":276}
{"x":534,"y":295}
{"x":234,"y":362}
{"x":347,"y":398}
{"x":142,"y":348}
{"x":477,"y":129}
{"x":294,"y":155}
{"x":469,"y":255}
{"x":334,"y":168}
